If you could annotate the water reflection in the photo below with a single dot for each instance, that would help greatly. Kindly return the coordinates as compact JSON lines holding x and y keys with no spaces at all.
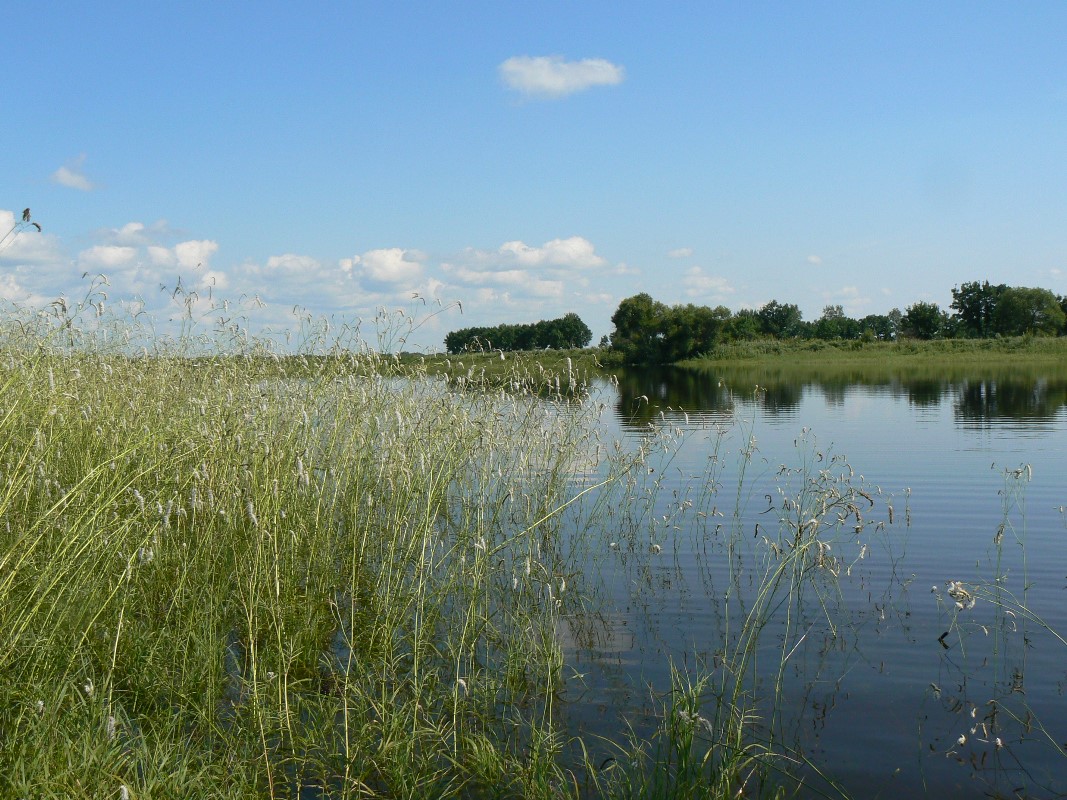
{"x":909,"y":694}
{"x":976,"y":396}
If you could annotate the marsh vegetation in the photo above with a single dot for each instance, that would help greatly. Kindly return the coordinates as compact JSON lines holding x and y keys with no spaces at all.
{"x":230,"y":573}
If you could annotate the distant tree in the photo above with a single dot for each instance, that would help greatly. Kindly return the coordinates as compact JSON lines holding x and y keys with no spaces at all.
{"x":1022,"y":310}
{"x":878,"y":326}
{"x":744,"y":325}
{"x":975,"y":306}
{"x":896,"y":318}
{"x":639,"y":329}
{"x":573,"y":331}
{"x":923,"y":320}
{"x":691,"y":330}
{"x":566,"y":332}
{"x":833,"y":324}
{"x":782,"y":321}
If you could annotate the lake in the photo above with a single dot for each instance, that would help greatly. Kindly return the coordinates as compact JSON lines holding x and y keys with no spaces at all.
{"x":893,"y":680}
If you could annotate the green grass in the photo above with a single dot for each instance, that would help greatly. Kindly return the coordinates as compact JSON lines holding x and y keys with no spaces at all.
{"x":803,"y":353}
{"x":226,"y":573}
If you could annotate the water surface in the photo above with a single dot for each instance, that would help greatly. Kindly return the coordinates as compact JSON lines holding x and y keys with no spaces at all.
{"x":974,"y":465}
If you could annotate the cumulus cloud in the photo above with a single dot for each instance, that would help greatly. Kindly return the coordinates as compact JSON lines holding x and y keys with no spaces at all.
{"x":107,"y":256}
{"x":553,"y":76}
{"x":72,"y":176}
{"x":304,"y":271}
{"x":521,"y":279}
{"x":697,"y":283}
{"x":575,"y":252}
{"x":680,"y":252}
{"x":26,"y":246}
{"x":214,"y":279}
{"x":194,"y":253}
{"x":814,"y":260}
{"x":12,"y":291}
{"x":390,"y":265}
{"x":161,"y":256}
{"x":136,"y":233}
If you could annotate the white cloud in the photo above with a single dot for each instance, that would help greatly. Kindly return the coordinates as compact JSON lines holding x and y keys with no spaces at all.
{"x":72,"y":176}
{"x":680,"y":252}
{"x":161,"y":256}
{"x":850,"y":298}
{"x":12,"y":291}
{"x":575,"y":252}
{"x":390,"y":265}
{"x":26,"y":246}
{"x":710,"y":287}
{"x":289,"y":264}
{"x":552,"y":76}
{"x":194,"y":253}
{"x":529,"y":284}
{"x":214,"y":279}
{"x":814,"y":260}
{"x":137,"y":233}
{"x":600,"y":299}
{"x":107,"y":256}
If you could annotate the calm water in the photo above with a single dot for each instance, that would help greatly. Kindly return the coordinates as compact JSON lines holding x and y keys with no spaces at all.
{"x":880,"y":700}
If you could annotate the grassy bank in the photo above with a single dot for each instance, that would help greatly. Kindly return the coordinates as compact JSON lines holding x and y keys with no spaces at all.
{"x":341,"y":574}
{"x":217,"y":580}
{"x":1013,"y":350}
{"x":787,"y":354}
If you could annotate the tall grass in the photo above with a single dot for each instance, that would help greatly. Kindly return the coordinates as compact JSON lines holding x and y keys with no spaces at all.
{"x":227,"y":572}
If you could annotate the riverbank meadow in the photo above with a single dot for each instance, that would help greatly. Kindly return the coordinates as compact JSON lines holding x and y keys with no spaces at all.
{"x":230,"y":572}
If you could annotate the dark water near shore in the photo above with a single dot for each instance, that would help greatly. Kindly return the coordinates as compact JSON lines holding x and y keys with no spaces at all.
{"x":974,"y":465}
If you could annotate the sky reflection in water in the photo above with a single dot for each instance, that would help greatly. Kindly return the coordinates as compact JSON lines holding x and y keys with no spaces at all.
{"x":887,"y":706}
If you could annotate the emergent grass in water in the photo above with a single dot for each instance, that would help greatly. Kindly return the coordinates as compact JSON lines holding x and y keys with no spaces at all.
{"x":225,"y":573}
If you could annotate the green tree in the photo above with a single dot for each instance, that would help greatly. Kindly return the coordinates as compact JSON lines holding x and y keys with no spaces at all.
{"x":1022,"y":310}
{"x":639,"y":329}
{"x":566,"y":332}
{"x":573,"y":331}
{"x":923,"y":320}
{"x":744,"y":325}
{"x":691,"y":330}
{"x":782,"y":321}
{"x":878,"y":326}
{"x":834,"y":324}
{"x":975,"y":305}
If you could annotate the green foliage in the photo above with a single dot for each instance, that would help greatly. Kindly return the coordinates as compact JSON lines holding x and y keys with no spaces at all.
{"x":924,"y":321}
{"x":834,"y":324}
{"x":639,"y":329}
{"x":975,"y":304}
{"x":649,"y":332}
{"x":780,"y":320}
{"x":878,"y":327}
{"x":558,"y":334}
{"x":1022,"y":310}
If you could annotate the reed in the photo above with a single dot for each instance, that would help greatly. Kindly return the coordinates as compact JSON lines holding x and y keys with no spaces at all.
{"x":231,"y":571}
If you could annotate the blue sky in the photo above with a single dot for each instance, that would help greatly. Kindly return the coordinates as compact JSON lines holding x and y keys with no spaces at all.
{"x":528,"y":159}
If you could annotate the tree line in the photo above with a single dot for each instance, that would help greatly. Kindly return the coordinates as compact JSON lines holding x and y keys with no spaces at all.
{"x":648,"y":331}
{"x":558,"y":334}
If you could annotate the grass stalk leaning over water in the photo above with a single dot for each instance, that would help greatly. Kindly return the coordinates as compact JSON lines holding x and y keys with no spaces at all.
{"x":330,"y":572}
{"x":229,"y":573}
